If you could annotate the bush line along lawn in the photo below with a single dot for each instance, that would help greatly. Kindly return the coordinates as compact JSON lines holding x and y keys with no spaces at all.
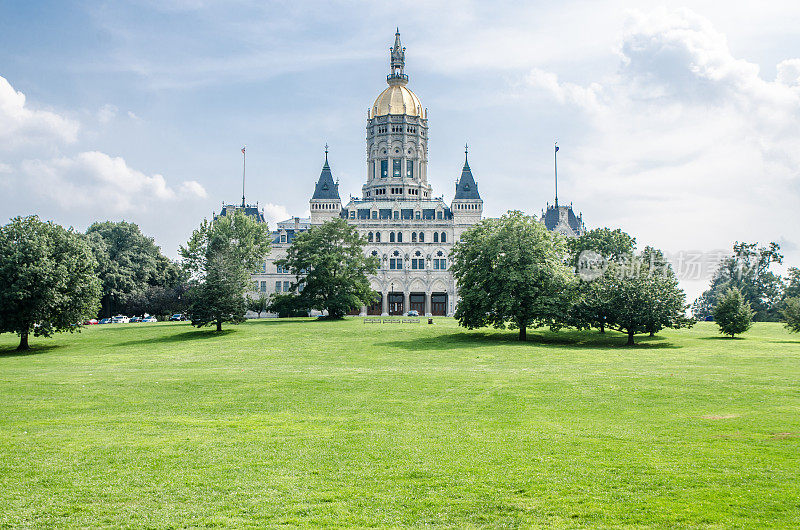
{"x":303,"y":422}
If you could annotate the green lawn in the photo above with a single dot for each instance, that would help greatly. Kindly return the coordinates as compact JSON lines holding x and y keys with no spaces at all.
{"x":301,"y":422}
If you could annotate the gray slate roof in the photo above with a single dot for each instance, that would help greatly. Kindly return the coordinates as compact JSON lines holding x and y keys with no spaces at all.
{"x":466,"y":188}
{"x":326,"y":188}
{"x":551,"y":217}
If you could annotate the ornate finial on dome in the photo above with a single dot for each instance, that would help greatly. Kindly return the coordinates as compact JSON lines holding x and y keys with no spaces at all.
{"x":397,"y":61}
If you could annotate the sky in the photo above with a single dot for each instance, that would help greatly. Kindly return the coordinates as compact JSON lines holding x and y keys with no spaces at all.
{"x":676,"y":121}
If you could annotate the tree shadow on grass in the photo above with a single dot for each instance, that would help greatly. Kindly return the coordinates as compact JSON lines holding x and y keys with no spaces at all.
{"x":11,"y":351}
{"x":721,"y":337}
{"x":291,"y":320}
{"x":201,"y":334}
{"x":568,"y":339}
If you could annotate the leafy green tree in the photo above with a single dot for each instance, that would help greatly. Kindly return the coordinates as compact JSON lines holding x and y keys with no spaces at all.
{"x":643,"y":297}
{"x":590,"y":254}
{"x":47,"y":279}
{"x":748,"y":270}
{"x":510,"y":271}
{"x":220,"y":256}
{"x":287,"y":305}
{"x":613,"y":245}
{"x":791,"y":314}
{"x":129,"y":263}
{"x":158,"y":300}
{"x":258,"y":304}
{"x":733,"y":314}
{"x":331,"y":269}
{"x":792,"y":289}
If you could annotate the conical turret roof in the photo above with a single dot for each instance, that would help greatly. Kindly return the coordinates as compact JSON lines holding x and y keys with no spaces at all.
{"x":326,"y":188}
{"x":466,"y":188}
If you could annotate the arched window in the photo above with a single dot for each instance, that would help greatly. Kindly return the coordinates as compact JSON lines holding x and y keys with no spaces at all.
{"x":369,"y":237}
{"x":436,"y":237}
{"x":391,"y":237}
{"x":422,"y":237}
{"x":377,"y":237}
{"x":418,"y":262}
{"x":413,"y":237}
{"x":444,"y":237}
{"x":399,"y":237}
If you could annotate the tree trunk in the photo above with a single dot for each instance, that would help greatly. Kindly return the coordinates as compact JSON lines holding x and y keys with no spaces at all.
{"x":652,"y":333}
{"x":602,"y":327}
{"x":523,"y":335}
{"x":219,"y":325}
{"x":630,"y":337}
{"x":23,"y":342}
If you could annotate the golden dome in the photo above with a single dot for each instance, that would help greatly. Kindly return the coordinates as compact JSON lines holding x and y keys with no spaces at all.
{"x":397,"y":99}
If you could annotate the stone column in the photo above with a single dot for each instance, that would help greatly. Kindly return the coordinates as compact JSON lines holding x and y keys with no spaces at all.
{"x":428,"y":304}
{"x":406,"y":302}
{"x":385,"y":304}
{"x":363,"y":312}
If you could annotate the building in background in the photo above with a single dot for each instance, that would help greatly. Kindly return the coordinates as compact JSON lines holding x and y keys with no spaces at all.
{"x":406,"y":227}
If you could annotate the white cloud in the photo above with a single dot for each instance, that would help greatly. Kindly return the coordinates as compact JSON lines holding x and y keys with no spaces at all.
{"x":107,"y":113}
{"x":21,"y":126}
{"x":275,"y":213}
{"x":688,"y":144}
{"x":101,"y":183}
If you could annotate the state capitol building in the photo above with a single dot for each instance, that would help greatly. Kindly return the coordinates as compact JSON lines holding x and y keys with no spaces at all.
{"x":405,"y":226}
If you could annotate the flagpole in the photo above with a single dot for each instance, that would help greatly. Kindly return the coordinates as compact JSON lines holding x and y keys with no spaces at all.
{"x":244,"y":164}
{"x":555,"y":168}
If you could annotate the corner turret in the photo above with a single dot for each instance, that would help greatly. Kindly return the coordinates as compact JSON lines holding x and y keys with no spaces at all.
{"x":467,"y":204}
{"x":325,"y":204}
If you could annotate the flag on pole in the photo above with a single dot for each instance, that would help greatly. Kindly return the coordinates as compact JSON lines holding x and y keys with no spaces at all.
{"x":243,"y":150}
{"x":556,"y":149}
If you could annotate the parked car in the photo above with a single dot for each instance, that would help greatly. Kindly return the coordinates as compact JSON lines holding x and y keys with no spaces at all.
{"x":135,"y":319}
{"x":105,"y":321}
{"x":91,"y":322}
{"x":149,"y":319}
{"x":413,"y":313}
{"x":120,"y":319}
{"x":176,"y":317}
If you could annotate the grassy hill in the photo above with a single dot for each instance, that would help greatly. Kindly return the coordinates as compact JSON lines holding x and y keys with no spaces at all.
{"x":312,"y":423}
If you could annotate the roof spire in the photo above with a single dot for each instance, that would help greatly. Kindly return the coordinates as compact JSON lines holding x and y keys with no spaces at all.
{"x":397,"y":61}
{"x":326,"y":153}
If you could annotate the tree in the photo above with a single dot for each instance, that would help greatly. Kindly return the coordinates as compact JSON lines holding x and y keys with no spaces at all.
{"x":612,"y":245}
{"x":643,"y":296}
{"x":47,"y":279}
{"x":733,"y":314}
{"x":792,"y":289}
{"x":331,"y":269}
{"x":748,"y":270}
{"x":287,"y":305}
{"x":220,"y":256}
{"x":129,"y":263}
{"x":220,"y":297}
{"x":791,"y":314}
{"x":590,"y":254}
{"x":258,"y":304}
{"x":158,"y":300}
{"x":510,"y":271}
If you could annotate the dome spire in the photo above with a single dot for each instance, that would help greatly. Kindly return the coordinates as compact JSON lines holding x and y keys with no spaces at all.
{"x":397,"y":62}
